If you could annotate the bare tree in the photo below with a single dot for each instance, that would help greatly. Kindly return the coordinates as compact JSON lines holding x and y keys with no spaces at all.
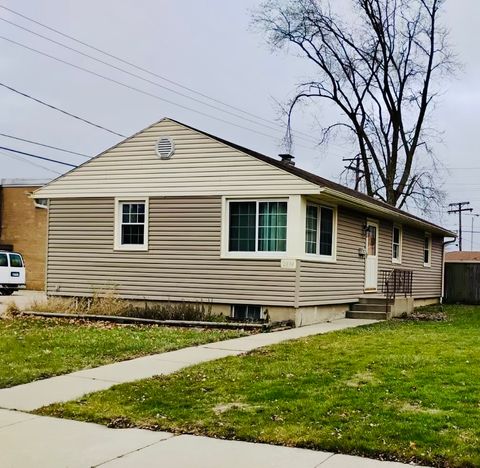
{"x":381,"y":70}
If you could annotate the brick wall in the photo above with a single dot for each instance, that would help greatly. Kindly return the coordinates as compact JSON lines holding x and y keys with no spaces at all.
{"x":25,"y":228}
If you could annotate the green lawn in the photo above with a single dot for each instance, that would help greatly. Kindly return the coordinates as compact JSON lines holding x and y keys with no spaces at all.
{"x":400,"y":390}
{"x":34,"y":348}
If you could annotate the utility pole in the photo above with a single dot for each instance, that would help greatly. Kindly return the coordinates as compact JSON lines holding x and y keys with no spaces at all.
{"x":460,"y":208}
{"x":355,"y":167}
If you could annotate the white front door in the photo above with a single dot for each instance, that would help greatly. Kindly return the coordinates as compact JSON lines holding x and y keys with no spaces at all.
{"x":371,"y":260}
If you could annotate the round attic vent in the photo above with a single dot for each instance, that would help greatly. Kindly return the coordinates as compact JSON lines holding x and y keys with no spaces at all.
{"x":165,"y":147}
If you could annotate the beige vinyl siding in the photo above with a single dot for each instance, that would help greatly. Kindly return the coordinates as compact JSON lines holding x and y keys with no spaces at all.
{"x":200,"y":166}
{"x":427,"y":281}
{"x":182,"y":263}
{"x":342,"y":281}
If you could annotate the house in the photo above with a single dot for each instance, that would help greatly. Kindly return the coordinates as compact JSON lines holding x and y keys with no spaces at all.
{"x":175,"y":214}
{"x":23,"y":226}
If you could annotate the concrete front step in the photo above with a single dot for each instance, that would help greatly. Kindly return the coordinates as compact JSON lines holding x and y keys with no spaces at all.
{"x":366,"y":314}
{"x":371,"y":300}
{"x":375,"y":307}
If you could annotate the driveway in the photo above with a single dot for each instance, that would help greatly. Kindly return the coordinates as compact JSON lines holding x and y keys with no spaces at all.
{"x":21,"y":298}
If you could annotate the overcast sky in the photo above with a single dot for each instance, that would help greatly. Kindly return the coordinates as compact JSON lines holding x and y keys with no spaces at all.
{"x":210,"y":47}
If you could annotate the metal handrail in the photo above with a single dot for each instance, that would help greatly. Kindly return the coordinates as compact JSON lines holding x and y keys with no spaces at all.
{"x":396,"y":281}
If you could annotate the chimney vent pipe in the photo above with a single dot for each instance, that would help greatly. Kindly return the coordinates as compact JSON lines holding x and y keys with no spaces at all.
{"x":287,"y":159}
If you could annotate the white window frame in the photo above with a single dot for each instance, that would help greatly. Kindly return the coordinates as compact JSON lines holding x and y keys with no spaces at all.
{"x":429,"y":237}
{"x":316,"y":256}
{"x":225,"y":251}
{"x":118,"y":224}
{"x":400,"y":243}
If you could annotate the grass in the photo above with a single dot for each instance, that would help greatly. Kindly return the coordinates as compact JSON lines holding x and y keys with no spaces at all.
{"x":398,"y":390}
{"x":33,"y":348}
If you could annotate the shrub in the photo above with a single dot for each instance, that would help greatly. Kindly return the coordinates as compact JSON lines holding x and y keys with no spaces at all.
{"x":11,"y":310}
{"x":110,"y":304}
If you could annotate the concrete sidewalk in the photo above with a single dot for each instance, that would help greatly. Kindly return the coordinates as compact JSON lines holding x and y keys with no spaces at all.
{"x":28,"y":441}
{"x":40,"y":393}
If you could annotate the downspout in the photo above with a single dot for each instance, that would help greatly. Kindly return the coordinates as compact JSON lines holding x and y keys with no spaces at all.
{"x":443,"y":266}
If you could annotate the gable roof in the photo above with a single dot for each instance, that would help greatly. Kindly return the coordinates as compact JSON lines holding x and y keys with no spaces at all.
{"x":324,"y":183}
{"x":337,"y":191}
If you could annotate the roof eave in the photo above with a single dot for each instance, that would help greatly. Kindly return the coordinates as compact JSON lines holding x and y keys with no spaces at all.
{"x":389,"y":213}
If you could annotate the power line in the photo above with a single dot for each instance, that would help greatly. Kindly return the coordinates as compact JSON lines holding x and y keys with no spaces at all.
{"x":135,"y":75}
{"x":458,"y":168}
{"x":26,"y":161}
{"x":456,"y":184}
{"x":44,"y":145}
{"x":145,"y":70}
{"x":36,"y":156}
{"x":60,"y":110}
{"x":133,"y":88}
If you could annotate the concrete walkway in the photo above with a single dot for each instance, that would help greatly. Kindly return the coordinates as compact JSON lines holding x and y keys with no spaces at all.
{"x":68,"y":387}
{"x":28,"y":440}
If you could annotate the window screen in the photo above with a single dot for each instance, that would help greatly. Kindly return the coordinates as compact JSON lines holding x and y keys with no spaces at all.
{"x":311,"y":230}
{"x":326,"y":231}
{"x":243,"y":217}
{"x":319,"y":230}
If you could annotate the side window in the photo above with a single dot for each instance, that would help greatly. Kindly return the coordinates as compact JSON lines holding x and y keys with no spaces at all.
{"x":242,"y":235}
{"x":319,"y":231}
{"x":131,"y":225}
{"x":3,"y":260}
{"x":311,"y":232}
{"x":427,"y":250}
{"x":397,"y":244}
{"x":16,"y":261}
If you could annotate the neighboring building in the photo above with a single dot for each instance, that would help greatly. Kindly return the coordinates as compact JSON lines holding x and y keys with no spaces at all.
{"x":175,"y":214}
{"x":23,"y":226}
{"x":461,"y":257}
{"x":462,"y":277}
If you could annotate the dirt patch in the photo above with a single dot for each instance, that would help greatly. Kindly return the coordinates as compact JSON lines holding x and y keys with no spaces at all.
{"x":224,"y":407}
{"x":415,"y":408}
{"x":362,"y":378}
